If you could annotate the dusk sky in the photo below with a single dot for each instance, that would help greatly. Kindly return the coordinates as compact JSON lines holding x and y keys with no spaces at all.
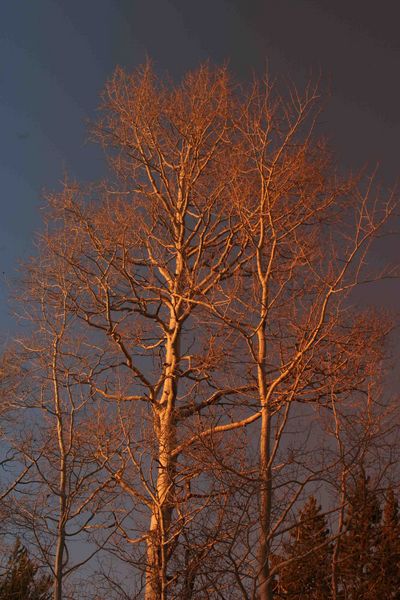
{"x":57,"y":54}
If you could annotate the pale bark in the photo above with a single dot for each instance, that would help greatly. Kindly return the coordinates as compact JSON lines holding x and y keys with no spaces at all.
{"x":265,"y":587}
{"x":163,"y":505}
{"x":62,"y":491}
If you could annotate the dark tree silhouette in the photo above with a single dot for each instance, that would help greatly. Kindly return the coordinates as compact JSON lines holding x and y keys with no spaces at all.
{"x":304,"y":573}
{"x":359,"y":545}
{"x":388,"y":551}
{"x":21,"y":580}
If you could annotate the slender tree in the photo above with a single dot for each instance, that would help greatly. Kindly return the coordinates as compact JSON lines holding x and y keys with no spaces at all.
{"x":57,"y":498}
{"x":307,"y":233}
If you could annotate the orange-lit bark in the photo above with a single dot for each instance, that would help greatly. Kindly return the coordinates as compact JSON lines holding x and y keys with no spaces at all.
{"x":208,"y":286}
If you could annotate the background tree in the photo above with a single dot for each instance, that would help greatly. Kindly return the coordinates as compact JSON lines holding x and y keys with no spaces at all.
{"x":358,"y":556}
{"x":21,"y":579}
{"x":307,"y":555}
{"x":387,"y":574}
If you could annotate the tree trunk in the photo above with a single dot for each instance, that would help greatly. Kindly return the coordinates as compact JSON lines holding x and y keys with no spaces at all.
{"x":157,"y":546}
{"x":58,"y":563}
{"x":60,"y":548}
{"x":265,"y":585}
{"x":160,"y":521}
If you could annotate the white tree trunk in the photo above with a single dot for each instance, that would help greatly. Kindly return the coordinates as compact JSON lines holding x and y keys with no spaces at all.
{"x":165,"y":428}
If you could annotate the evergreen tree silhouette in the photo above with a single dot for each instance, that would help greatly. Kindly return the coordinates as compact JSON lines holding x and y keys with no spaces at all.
{"x":358,"y":557}
{"x":307,"y":572}
{"x":388,"y":551}
{"x":21,"y":580}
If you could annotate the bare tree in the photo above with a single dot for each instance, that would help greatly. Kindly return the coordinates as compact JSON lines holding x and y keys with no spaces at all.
{"x":57,"y":497}
{"x":307,"y":234}
{"x":162,"y":235}
{"x":201,"y":297}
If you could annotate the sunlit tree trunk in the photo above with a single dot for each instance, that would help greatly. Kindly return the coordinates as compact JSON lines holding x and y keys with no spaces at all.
{"x":265,"y":588}
{"x":163,"y":506}
{"x":62,"y":483}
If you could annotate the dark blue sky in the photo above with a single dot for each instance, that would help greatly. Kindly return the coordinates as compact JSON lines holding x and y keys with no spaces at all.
{"x":56,"y":55}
